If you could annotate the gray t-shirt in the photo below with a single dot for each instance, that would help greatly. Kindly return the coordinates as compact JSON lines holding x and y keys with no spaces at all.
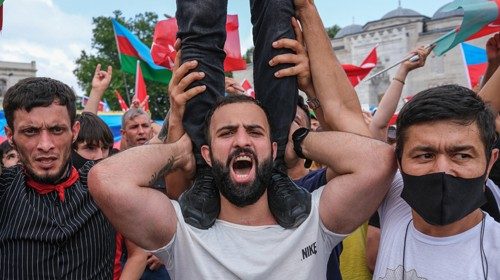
{"x":232,"y":251}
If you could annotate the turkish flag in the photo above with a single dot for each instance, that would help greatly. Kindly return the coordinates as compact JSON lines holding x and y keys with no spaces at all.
{"x":358,"y":73}
{"x":140,"y":87}
{"x":163,"y":52}
{"x":122,"y":103}
{"x":248,"y":88}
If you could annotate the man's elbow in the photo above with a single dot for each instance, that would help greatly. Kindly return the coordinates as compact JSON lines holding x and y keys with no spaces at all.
{"x":94,"y":180}
{"x":385,"y":162}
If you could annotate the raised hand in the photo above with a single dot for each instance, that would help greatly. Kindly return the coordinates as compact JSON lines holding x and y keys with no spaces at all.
{"x":181,"y":79}
{"x":101,"y":79}
{"x":493,"y":49}
{"x":299,"y":58}
{"x":232,"y":86}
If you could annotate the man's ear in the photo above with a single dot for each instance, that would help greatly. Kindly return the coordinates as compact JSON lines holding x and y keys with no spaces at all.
{"x":9,"y":133}
{"x":205,"y":153}
{"x":493,"y":159}
{"x":75,"y":130}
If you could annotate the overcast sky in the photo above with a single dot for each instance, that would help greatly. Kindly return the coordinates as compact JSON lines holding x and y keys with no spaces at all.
{"x":53,"y":32}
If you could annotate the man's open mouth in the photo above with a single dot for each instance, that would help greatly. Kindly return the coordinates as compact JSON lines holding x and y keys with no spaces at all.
{"x":242,"y":168}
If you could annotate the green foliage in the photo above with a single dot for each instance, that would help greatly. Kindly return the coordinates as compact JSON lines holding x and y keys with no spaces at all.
{"x":104,"y":51}
{"x":248,"y":56}
{"x":332,"y":31}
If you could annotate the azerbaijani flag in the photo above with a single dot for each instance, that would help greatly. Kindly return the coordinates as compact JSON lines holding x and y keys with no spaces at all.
{"x":481,"y":17}
{"x":1,"y":13}
{"x":476,"y":62}
{"x":131,"y":50}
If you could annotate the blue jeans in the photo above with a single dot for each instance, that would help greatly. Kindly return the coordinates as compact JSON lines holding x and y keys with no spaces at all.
{"x":202,"y":29}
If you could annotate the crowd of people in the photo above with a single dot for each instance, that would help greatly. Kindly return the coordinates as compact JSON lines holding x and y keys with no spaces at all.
{"x":231,"y":187}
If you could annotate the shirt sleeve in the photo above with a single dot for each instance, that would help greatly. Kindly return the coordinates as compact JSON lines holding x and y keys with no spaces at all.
{"x":393,"y":205}
{"x":313,"y":180}
{"x":7,"y":177}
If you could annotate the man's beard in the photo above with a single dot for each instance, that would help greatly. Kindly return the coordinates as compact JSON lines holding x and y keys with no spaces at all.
{"x":49,"y":179}
{"x":46,"y":178}
{"x":242,"y":195}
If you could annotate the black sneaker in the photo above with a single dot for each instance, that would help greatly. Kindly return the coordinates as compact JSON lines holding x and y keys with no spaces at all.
{"x":200,"y":204}
{"x":289,"y":203}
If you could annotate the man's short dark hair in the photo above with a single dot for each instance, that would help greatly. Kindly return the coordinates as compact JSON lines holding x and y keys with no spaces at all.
{"x":35,"y":92}
{"x":5,"y":148}
{"x":231,"y":99}
{"x":302,"y":105}
{"x":449,"y":102}
{"x":93,"y":130}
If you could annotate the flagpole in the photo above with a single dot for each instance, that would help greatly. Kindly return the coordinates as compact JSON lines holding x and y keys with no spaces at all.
{"x":126,"y":87}
{"x":410,"y":57}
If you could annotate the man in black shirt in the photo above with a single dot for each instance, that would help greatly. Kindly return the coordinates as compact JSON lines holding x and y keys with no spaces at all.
{"x":50,"y":227}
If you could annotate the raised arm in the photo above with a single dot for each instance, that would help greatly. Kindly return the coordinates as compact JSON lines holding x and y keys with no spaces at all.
{"x":493,"y":55}
{"x":300,"y":61}
{"x":491,"y":81}
{"x":364,"y":168}
{"x":340,"y":104}
{"x":489,"y":92}
{"x":389,"y":103}
{"x":119,"y":186}
{"x":100,"y":82}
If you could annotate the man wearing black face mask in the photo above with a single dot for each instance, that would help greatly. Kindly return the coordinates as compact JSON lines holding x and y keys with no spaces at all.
{"x":433,"y":227}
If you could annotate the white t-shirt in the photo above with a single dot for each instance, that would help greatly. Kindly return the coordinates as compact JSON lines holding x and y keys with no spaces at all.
{"x":495,"y":190}
{"x":428,"y":257}
{"x":232,"y":251}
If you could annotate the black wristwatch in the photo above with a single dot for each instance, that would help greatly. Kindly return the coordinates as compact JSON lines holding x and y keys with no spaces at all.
{"x":298,"y":136}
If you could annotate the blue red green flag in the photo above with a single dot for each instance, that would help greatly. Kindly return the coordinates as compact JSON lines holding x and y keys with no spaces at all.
{"x":131,"y":50}
{"x":481,"y":17}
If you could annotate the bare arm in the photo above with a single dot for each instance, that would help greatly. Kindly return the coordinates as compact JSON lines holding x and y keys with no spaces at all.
{"x":489,"y":92}
{"x":389,"y":103}
{"x":372,"y":245}
{"x":100,"y":82}
{"x":179,"y":180}
{"x":493,"y":54}
{"x":364,"y":168}
{"x":341,"y":108}
{"x":119,"y":186}
{"x":136,"y":262}
{"x":301,"y":68}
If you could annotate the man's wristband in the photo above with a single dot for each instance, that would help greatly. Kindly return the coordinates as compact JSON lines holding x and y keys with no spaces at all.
{"x":399,"y":80}
{"x":313,"y":103}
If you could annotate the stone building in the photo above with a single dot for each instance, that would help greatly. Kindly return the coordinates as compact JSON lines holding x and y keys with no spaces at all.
{"x":12,"y":72}
{"x":396,"y":34}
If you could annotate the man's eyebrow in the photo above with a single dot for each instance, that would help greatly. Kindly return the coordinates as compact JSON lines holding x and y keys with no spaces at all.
{"x":423,"y":148}
{"x":253,"y":127}
{"x":227,"y":127}
{"x":460,"y":148}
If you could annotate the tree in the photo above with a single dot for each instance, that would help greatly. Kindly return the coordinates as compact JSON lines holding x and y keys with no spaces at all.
{"x":332,"y":31}
{"x":105,"y":52}
{"x":248,"y":56}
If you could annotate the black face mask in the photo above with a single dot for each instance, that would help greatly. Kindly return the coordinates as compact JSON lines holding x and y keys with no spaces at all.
{"x":441,"y":199}
{"x":77,"y":160}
